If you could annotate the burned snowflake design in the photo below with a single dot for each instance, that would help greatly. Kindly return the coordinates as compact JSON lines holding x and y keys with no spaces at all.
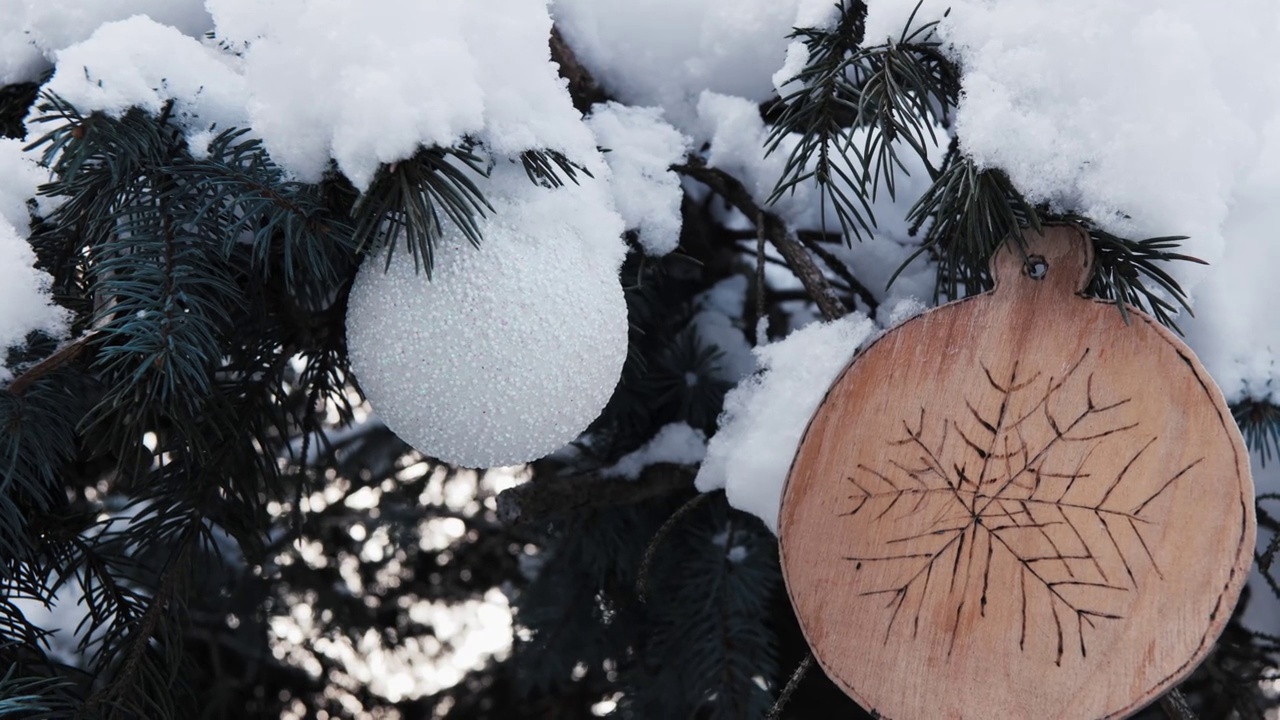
{"x":1040,"y":487}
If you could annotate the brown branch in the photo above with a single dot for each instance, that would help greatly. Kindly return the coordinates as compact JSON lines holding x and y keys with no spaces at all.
{"x":801,"y":670}
{"x":651,"y":552}
{"x":583,"y":88}
{"x":558,"y":496}
{"x":62,"y":356}
{"x":1175,"y":705}
{"x":798,"y":259}
{"x":839,"y":268}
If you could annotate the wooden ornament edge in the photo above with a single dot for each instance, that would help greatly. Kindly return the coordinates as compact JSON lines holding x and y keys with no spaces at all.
{"x":782,"y":553}
{"x":1238,"y":576}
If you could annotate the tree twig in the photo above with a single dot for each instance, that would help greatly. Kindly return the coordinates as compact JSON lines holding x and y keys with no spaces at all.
{"x":802,"y":669}
{"x":1175,"y":705}
{"x":651,"y":552}
{"x":148,"y":623}
{"x":762,"y":318}
{"x":558,"y":496}
{"x":839,"y":268}
{"x":62,"y":356}
{"x":583,"y":88}
{"x":797,"y":257}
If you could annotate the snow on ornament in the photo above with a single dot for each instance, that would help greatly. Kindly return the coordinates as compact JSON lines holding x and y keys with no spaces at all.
{"x":509,"y":350}
{"x":1019,"y":504}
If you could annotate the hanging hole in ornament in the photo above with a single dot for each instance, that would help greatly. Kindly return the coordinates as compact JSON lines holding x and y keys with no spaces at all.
{"x":1037,"y":267}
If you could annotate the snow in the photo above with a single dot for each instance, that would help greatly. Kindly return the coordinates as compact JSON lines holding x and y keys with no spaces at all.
{"x":510,"y":350}
{"x":676,"y":443}
{"x":891,"y":315}
{"x":666,"y":52}
{"x":19,"y":178}
{"x":34,"y":32}
{"x":811,"y":14}
{"x":765,"y":416}
{"x":141,"y":63}
{"x":641,"y":146}
{"x":24,"y":295}
{"x":24,"y":290}
{"x":396,"y":75}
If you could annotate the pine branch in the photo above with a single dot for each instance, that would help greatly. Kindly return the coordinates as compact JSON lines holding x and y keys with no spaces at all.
{"x":893,"y":94}
{"x":651,"y":551}
{"x":775,"y":230}
{"x":1259,"y":422}
{"x":973,"y":210}
{"x":1121,"y":265}
{"x":141,"y":638}
{"x":64,"y":355}
{"x":544,"y":167}
{"x":775,"y":712}
{"x":238,"y":192}
{"x":407,"y":199}
{"x":30,"y":696}
{"x":1175,"y":705}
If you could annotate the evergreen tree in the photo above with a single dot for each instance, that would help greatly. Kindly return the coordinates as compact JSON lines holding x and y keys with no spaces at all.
{"x":200,"y":518}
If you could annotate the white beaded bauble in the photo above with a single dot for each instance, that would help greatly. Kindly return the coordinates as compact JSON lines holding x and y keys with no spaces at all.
{"x":509,"y":350}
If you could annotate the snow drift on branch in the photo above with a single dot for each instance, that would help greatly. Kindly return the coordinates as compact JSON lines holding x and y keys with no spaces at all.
{"x":765,"y":416}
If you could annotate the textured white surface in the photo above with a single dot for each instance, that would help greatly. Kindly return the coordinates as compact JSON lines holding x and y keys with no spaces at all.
{"x":641,"y":146}
{"x":141,"y":63}
{"x":665,"y":52}
{"x":510,"y":350}
{"x":369,"y":82}
{"x":676,"y":443}
{"x":32,"y":31}
{"x":360,"y":83}
{"x":25,"y":304}
{"x":765,"y":416}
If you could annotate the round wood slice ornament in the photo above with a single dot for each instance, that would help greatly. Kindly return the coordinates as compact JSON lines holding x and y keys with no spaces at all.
{"x":1018,"y":506}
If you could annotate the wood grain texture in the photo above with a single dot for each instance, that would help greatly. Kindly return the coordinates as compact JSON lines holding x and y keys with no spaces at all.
{"x":1018,"y":506}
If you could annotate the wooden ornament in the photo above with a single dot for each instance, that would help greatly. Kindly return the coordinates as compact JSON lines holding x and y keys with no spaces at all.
{"x":1018,"y":506}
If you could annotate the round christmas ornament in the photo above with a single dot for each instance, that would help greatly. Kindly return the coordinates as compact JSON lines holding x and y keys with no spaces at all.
{"x":510,"y":349}
{"x":1018,"y":506}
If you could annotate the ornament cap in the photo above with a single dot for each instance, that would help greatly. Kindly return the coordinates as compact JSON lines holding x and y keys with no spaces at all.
{"x":1057,"y":260}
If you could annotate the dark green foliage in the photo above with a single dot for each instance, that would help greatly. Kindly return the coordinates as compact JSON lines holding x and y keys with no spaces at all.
{"x":544,"y":167}
{"x":1123,"y":268}
{"x":14,"y":101}
{"x":711,"y":612}
{"x":670,"y":374}
{"x":1260,"y":423}
{"x":414,"y":198}
{"x":24,"y":697}
{"x":195,"y":281}
{"x":970,"y":211}
{"x":889,"y":93}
